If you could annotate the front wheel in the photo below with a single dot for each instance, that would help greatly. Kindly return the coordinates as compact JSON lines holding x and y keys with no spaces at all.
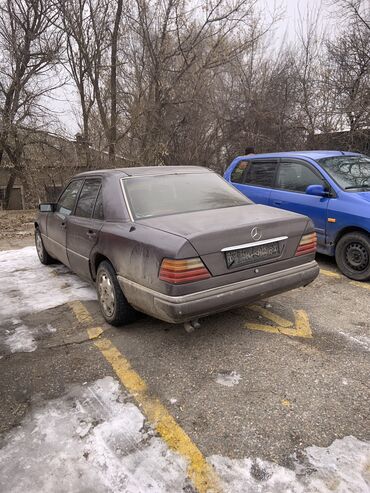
{"x":353,"y":256}
{"x":113,"y":304}
{"x":41,"y":251}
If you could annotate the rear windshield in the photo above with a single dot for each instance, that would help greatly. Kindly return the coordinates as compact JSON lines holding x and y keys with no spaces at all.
{"x":350,"y":172}
{"x":152,"y":196}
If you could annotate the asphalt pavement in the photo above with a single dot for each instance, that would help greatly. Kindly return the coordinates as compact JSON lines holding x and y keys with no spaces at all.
{"x":252,"y":397}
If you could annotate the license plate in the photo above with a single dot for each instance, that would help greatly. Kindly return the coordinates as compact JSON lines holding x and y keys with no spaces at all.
{"x":253,"y":254}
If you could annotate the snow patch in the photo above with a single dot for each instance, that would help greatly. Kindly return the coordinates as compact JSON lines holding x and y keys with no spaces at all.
{"x":89,"y":440}
{"x":21,"y":340}
{"x":50,"y":328}
{"x":342,"y":467}
{"x":27,"y":286}
{"x":360,"y":340}
{"x":228,"y":379}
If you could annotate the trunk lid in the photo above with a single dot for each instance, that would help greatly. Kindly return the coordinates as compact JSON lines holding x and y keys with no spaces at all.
{"x":213,"y":232}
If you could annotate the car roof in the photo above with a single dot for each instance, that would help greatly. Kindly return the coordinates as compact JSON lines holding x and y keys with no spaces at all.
{"x":302,"y":154}
{"x":147,"y":171}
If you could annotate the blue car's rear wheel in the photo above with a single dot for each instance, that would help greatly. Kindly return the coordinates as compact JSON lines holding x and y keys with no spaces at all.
{"x":353,"y":256}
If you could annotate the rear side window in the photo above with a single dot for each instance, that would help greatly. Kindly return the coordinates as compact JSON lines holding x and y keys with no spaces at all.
{"x":238,"y":171}
{"x":262,"y":174}
{"x":87,"y":198}
{"x":67,"y":200}
{"x":99,"y":211}
{"x":296,"y":177}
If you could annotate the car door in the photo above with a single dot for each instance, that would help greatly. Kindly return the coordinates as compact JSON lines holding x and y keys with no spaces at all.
{"x":293,"y":178}
{"x":84,"y":226}
{"x":255,"y":178}
{"x":56,"y":227}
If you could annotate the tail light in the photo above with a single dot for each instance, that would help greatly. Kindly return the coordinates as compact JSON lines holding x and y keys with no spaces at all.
{"x":181,"y":271}
{"x":307,"y":244}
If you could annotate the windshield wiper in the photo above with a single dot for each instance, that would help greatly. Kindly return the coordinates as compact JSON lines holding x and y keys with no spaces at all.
{"x":356,"y":186}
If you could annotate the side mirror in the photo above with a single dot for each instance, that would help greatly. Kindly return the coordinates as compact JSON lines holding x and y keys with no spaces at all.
{"x":318,"y":190}
{"x":47,"y":207}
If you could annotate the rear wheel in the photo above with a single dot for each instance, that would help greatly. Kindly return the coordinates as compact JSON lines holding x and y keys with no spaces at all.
{"x":41,"y":251}
{"x":353,"y":256}
{"x":113,"y":304}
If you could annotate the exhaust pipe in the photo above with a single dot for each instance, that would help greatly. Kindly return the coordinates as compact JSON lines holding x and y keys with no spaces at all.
{"x":192,"y":325}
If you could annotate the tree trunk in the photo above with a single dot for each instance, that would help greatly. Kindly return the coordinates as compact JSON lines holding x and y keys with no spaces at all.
{"x":86,"y":138}
{"x":28,"y":199}
{"x":113,"y":86}
{"x":9,"y":188}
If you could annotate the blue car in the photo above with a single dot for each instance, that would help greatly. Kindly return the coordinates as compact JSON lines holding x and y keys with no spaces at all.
{"x":331,"y":187}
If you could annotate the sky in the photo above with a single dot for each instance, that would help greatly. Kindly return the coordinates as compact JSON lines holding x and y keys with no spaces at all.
{"x":65,"y":100}
{"x":292,"y":9}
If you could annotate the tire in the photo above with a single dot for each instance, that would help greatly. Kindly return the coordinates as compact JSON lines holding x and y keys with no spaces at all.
{"x":352,"y":254}
{"x":43,"y":255}
{"x":115,"y":308}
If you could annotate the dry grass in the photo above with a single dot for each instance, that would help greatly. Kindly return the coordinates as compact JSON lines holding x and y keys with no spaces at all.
{"x":15,"y":224}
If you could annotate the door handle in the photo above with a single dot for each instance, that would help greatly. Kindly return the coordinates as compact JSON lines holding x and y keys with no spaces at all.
{"x":91,"y":234}
{"x":277,"y":202}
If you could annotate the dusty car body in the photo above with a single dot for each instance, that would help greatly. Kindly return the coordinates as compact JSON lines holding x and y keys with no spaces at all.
{"x":177,"y":243}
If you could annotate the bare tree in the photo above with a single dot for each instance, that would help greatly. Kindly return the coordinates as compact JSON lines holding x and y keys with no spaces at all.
{"x":179,"y":48}
{"x":92,"y":32}
{"x":307,"y":63}
{"x":29,"y":49}
{"x":350,"y":57}
{"x":77,"y":37}
{"x":356,"y":11}
{"x":113,"y":83}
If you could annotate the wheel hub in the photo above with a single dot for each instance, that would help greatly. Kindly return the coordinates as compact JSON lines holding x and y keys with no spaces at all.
{"x":106,"y":294}
{"x":357,"y":257}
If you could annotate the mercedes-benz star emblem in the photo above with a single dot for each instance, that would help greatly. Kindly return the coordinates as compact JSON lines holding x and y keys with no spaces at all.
{"x":256,"y":234}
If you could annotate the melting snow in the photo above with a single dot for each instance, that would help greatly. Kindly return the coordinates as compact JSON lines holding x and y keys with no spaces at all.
{"x":28,"y":286}
{"x":23,"y":338}
{"x":343,"y":467}
{"x":92,"y":440}
{"x":89,"y":440}
{"x":228,"y":379}
{"x":361,"y":340}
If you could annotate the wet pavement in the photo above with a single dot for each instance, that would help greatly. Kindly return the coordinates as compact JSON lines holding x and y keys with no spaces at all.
{"x":262,"y":392}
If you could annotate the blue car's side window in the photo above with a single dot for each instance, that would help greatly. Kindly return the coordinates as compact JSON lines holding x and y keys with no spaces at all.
{"x":296,"y":177}
{"x":238,"y":173}
{"x":261,"y":174}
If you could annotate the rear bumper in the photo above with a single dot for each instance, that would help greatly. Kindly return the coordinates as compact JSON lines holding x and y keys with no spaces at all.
{"x":177,"y":309}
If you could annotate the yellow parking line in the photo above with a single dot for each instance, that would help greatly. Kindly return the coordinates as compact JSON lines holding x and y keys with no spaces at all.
{"x":95,"y":332}
{"x":80,"y":312}
{"x":301,"y":328}
{"x":199,"y":471}
{"x":362,"y":285}
{"x":330,"y":273}
{"x":281,"y":322}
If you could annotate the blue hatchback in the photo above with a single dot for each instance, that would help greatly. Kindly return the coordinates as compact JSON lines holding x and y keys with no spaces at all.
{"x":331,"y":187}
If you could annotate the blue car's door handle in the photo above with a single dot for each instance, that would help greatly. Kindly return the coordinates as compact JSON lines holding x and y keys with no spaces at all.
{"x":277,"y":202}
